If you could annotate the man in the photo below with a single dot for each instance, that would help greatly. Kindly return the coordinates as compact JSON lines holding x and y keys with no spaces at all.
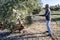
{"x":47,"y":16}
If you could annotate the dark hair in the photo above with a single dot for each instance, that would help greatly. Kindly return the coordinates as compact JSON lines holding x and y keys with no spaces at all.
{"x":47,"y":6}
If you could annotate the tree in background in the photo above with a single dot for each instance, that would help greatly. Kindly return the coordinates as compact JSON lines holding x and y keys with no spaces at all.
{"x":12,"y":10}
{"x":55,"y":8}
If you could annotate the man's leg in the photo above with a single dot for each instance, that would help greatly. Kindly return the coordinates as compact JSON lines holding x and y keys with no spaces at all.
{"x":48,"y":27}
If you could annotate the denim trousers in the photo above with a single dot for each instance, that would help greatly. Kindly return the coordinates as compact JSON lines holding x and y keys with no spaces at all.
{"x":48,"y":27}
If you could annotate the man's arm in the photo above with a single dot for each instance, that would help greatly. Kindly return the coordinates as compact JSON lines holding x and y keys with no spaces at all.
{"x":40,"y":15}
{"x":46,"y":13}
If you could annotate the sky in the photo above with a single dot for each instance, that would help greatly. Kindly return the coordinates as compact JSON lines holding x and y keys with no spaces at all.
{"x":50,"y":2}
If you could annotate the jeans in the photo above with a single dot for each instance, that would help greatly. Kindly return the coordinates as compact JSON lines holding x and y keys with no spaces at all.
{"x":48,"y":27}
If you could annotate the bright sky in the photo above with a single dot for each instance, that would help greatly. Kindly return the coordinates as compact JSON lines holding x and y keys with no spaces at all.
{"x":51,"y":2}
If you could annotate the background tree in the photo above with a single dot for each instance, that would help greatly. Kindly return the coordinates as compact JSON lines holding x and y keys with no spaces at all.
{"x":55,"y":8}
{"x":12,"y":10}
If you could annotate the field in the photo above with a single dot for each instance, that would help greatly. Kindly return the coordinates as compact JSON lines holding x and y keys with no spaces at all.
{"x":36,"y":30}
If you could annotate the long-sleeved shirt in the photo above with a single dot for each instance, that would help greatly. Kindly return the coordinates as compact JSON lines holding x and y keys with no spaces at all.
{"x":47,"y":14}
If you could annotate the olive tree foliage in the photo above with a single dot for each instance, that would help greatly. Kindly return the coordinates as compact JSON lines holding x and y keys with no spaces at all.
{"x":12,"y":10}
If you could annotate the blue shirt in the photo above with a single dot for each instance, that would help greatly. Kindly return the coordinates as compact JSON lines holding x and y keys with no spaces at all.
{"x":47,"y":14}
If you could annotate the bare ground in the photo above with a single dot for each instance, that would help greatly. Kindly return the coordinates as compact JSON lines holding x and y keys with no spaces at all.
{"x":33,"y":32}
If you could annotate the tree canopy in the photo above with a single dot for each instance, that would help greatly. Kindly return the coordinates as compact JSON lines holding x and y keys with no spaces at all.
{"x":14,"y":9}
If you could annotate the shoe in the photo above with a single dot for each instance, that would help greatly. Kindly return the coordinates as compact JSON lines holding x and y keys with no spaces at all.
{"x":45,"y":32}
{"x":49,"y":35}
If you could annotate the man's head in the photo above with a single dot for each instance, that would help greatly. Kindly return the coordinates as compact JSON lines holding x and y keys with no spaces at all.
{"x":46,"y":6}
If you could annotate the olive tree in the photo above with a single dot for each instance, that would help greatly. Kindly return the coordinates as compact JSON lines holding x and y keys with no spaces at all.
{"x":12,"y":10}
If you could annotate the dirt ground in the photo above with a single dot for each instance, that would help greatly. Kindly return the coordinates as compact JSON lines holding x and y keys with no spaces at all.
{"x":34,"y":31}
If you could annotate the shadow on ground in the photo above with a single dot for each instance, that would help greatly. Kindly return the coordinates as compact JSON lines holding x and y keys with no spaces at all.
{"x":4,"y":35}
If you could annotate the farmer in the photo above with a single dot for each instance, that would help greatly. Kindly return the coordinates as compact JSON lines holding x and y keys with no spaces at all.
{"x":47,"y":16}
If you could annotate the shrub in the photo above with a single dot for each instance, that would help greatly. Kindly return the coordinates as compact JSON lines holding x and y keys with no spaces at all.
{"x":36,"y":11}
{"x":28,"y":20}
